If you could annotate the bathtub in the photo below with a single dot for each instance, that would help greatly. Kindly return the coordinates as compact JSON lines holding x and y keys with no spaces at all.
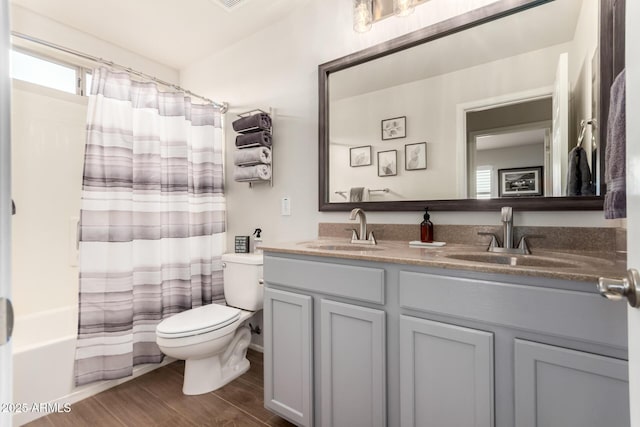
{"x":43,"y":358}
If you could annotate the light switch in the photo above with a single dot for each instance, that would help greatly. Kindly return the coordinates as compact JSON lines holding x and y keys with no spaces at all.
{"x":285,"y":210}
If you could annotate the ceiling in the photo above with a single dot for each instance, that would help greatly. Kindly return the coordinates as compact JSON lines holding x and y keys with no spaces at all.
{"x":172,"y":32}
{"x":510,"y":139}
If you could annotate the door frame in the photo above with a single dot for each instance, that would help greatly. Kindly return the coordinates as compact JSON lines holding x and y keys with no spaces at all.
{"x":480,"y":105}
{"x":6,"y":384}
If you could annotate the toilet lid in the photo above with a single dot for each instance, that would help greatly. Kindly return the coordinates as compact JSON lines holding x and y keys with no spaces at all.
{"x":198,"y":321}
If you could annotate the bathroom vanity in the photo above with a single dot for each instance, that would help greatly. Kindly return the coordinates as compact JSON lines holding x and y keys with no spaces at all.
{"x":397,"y":336}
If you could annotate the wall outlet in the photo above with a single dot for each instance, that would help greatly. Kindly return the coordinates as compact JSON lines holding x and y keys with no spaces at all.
{"x":285,"y":209}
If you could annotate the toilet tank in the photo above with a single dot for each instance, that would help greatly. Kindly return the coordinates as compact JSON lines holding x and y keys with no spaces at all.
{"x":243,"y":280}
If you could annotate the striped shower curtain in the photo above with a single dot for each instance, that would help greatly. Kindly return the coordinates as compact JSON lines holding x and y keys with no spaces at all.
{"x":152,"y":221}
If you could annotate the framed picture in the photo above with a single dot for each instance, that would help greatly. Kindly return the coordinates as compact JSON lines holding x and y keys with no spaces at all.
{"x":360,"y":156}
{"x":388,"y":163}
{"x":516,"y":182}
{"x":415,"y":156}
{"x":394,"y":128}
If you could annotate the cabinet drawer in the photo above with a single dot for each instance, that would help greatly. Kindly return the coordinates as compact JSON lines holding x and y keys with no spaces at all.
{"x":570,"y":314}
{"x":357,"y":283}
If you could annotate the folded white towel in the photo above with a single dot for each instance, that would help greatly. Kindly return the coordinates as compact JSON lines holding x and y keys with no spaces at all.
{"x":252,"y":156}
{"x":252,"y":173}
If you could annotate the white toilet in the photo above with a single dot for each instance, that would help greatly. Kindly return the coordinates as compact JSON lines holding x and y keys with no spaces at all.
{"x":213,"y":339}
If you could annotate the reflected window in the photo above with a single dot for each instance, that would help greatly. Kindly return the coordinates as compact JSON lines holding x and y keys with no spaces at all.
{"x":483,"y":182}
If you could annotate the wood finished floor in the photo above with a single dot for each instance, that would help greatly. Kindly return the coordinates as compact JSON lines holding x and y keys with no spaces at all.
{"x":156,"y":399}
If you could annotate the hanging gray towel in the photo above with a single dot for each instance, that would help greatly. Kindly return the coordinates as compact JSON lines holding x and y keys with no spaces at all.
{"x":253,"y":123}
{"x":615,"y":199}
{"x":579,"y":175}
{"x":254,"y":139}
{"x":356,"y":194}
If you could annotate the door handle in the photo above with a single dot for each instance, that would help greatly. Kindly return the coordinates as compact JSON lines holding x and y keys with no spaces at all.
{"x":616,"y":290}
{"x":6,"y":320}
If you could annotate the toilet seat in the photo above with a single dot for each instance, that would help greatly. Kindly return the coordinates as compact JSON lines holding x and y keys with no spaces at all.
{"x":197,"y":321}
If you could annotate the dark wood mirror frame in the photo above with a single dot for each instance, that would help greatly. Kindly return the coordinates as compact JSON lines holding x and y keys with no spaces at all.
{"x":611,"y":47}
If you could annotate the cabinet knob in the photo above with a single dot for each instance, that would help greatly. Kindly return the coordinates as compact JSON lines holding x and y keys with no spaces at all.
{"x":616,"y":290}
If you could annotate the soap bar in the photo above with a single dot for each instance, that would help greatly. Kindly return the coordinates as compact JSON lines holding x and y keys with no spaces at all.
{"x":418,"y":243}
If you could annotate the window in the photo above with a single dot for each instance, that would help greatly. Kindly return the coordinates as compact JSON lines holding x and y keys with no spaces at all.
{"x":88,"y":79}
{"x":483,"y":182}
{"x":49,"y":72}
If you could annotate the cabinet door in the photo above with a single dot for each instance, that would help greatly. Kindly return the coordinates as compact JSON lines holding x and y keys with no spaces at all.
{"x":353,"y":366}
{"x":446,"y":374}
{"x":288,"y":377}
{"x":556,"y":386}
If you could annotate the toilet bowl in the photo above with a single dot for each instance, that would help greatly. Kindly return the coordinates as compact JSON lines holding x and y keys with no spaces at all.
{"x":213,"y":339}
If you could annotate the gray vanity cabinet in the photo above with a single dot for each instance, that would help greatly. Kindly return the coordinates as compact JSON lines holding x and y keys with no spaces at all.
{"x":405,"y":345}
{"x":288,"y":369}
{"x":556,"y":386}
{"x":446,"y":374}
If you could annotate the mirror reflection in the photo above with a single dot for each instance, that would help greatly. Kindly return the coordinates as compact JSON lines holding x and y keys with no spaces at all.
{"x":489,"y":112}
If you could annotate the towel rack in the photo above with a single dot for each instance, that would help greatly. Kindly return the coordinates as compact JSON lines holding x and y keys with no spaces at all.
{"x":382,"y":190}
{"x":251,"y":113}
{"x":583,"y":129}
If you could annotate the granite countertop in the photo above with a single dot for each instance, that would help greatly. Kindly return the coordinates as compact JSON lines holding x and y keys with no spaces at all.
{"x":583,"y":266}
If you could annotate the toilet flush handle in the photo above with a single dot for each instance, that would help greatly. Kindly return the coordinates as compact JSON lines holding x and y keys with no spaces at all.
{"x":261,"y":282}
{"x":224,"y":265}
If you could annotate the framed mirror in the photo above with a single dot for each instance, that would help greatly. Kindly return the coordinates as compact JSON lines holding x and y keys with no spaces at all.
{"x":481,"y":110}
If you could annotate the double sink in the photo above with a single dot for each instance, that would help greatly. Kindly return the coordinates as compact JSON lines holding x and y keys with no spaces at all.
{"x":507,"y":254}
{"x":479,"y":256}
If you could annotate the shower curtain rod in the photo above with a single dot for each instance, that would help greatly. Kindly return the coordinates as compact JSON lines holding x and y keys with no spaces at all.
{"x":223,"y":106}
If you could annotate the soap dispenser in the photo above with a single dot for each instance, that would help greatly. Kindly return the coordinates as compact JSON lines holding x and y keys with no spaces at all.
{"x":257,"y":241}
{"x":426,"y":228}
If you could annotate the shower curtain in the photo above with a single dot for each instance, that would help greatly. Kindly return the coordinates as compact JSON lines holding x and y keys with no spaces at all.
{"x":152,"y":221}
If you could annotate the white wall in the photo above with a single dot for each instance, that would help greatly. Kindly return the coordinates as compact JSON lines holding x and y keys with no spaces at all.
{"x":278,"y":67}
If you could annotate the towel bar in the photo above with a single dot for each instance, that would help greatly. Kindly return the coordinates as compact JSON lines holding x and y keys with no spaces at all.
{"x":383,"y":190}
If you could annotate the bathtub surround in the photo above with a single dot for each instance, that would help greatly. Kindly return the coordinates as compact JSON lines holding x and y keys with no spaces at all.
{"x":152,"y":220}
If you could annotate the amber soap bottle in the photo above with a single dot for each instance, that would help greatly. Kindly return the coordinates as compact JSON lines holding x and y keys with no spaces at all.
{"x":426,"y":228}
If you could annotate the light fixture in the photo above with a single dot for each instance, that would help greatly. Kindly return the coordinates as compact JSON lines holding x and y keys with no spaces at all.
{"x":362,"y":15}
{"x":403,"y":7}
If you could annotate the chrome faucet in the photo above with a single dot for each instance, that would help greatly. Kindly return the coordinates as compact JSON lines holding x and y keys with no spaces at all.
{"x":507,"y":236}
{"x":507,"y":226}
{"x":362,"y":237}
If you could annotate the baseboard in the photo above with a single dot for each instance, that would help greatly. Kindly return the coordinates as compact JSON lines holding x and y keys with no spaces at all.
{"x":86,"y":391}
{"x":256,"y":347}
